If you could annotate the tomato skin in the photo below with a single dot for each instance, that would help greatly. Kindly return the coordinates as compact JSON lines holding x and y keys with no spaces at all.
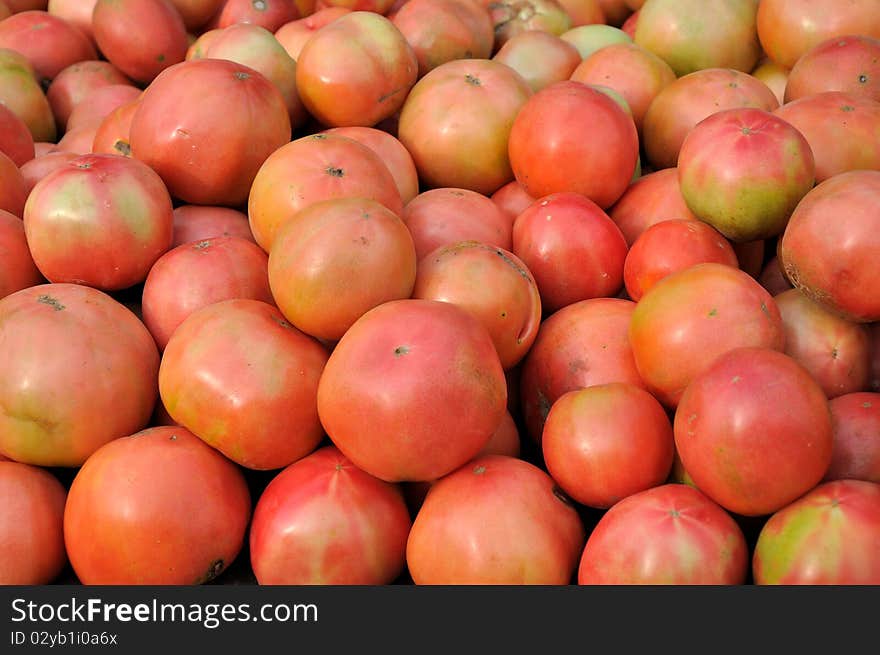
{"x":22,"y":93}
{"x":113,"y":134}
{"x":693,"y":316}
{"x":201,"y":154}
{"x":572,"y":247}
{"x":198,"y":222}
{"x":669,"y":534}
{"x":855,"y":420}
{"x":356,"y":70}
{"x":31,"y":525}
{"x":652,"y":198}
{"x":294,"y":34}
{"x":17,"y":268}
{"x":540,"y":57}
{"x":158,"y":507}
{"x":429,"y":396}
{"x":571,"y":137}
{"x":828,"y":536}
{"x":241,"y":378}
{"x":456,"y":122}
{"x":580,"y":345}
{"x":101,"y":385}
{"x":13,"y":189}
{"x":101,"y":220}
{"x":58,"y":45}
{"x":456,"y":539}
{"x":16,"y":140}
{"x":753,"y":431}
{"x":849,"y":63}
{"x":269,"y":14}
{"x":73,"y":83}
{"x":606,"y":442}
{"x":829,"y":248}
{"x":324,"y":521}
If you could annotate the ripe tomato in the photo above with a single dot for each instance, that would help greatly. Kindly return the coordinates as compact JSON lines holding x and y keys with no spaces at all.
{"x":17,"y":268}
{"x":849,"y":63}
{"x":652,"y":198}
{"x":855,"y":420}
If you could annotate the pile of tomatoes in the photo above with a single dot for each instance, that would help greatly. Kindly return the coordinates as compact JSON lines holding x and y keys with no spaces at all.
{"x":440,"y":292}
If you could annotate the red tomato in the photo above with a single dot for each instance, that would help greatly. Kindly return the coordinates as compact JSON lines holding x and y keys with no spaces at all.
{"x":113,"y":134}
{"x":200,"y":273}
{"x":429,"y":392}
{"x":356,"y":70}
{"x":268,"y":14}
{"x":590,"y":12}
{"x":456,"y":122}
{"x":691,"y":317}
{"x":140,"y":37}
{"x":22,"y":93}
{"x":692,"y":35}
{"x":789,"y":28}
{"x":202,"y":154}
{"x":31,"y":525}
{"x":491,"y":283}
{"x":688,"y":100}
{"x":294,"y":34}
{"x":827,"y":537}
{"x":773,"y":278}
{"x":13,"y":189}
{"x":16,"y":141}
{"x":843,"y":130}
{"x":100,"y":385}
{"x":829,"y":248}
{"x":445,"y":216}
{"x":540,"y":57}
{"x":833,"y":349}
{"x":17,"y":268}
{"x":39,"y":167}
{"x":324,"y":521}
{"x":650,"y":199}
{"x":753,"y":430}
{"x":195,"y":13}
{"x":336,"y":259}
{"x":158,"y":507}
{"x":606,"y":442}
{"x":671,"y":246}
{"x":101,"y":220}
{"x":874,"y":336}
{"x":512,"y":199}
{"x":743,"y":171}
{"x":571,"y":137}
{"x":457,"y":537}
{"x":49,"y":42}
{"x":574,"y":250}
{"x":314,"y":168}
{"x":241,"y":378}
{"x":98,"y":103}
{"x":199,"y":222}
{"x":849,"y":63}
{"x":855,"y":421}
{"x":581,"y":345}
{"x":443,"y":30}
{"x":76,"y":12}
{"x":670,"y":534}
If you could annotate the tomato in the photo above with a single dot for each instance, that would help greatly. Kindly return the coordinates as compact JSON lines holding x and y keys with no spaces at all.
{"x":670,"y":246}
{"x":75,"y":82}
{"x":444,"y":216}
{"x":773,"y":278}
{"x":670,"y":534}
{"x":773,"y":75}
{"x":16,"y":140}
{"x":512,"y":199}
{"x":356,"y":70}
{"x":37,"y":168}
{"x":429,"y":393}
{"x":571,"y":137}
{"x":753,"y":430}
{"x":158,"y":507}
{"x":855,"y":421}
{"x":49,"y":42}
{"x":788,"y":28}
{"x":540,"y":57}
{"x":98,"y":103}
{"x":199,"y":273}
{"x":456,"y":537}
{"x":743,"y":171}
{"x":591,"y":12}
{"x":443,"y":30}
{"x":21,"y":92}
{"x":874,"y":336}
{"x":689,"y":318}
{"x":13,"y":189}
{"x":581,"y":345}
{"x":843,"y":130}
{"x":140,"y":37}
{"x":692,"y":35}
{"x":196,"y":13}
{"x":268,"y":14}
{"x":99,"y":384}
{"x":31,"y":525}
{"x":203,"y":155}
{"x":491,"y":283}
{"x":590,"y":38}
{"x":833,"y":349}
{"x":324,"y":521}
{"x":199,"y":222}
{"x":241,"y":378}
{"x":456,"y":122}
{"x":294,"y":34}
{"x":513,"y":17}
{"x":314,"y":168}
{"x":635,"y":72}
{"x":113,"y":133}
{"x":849,"y":63}
{"x":76,"y":12}
{"x":606,"y":442}
{"x":17,"y":268}
{"x":101,"y":220}
{"x":827,"y":537}
{"x":574,"y":250}
{"x":828,"y":249}
{"x":334,"y":260}
{"x":650,"y":199}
